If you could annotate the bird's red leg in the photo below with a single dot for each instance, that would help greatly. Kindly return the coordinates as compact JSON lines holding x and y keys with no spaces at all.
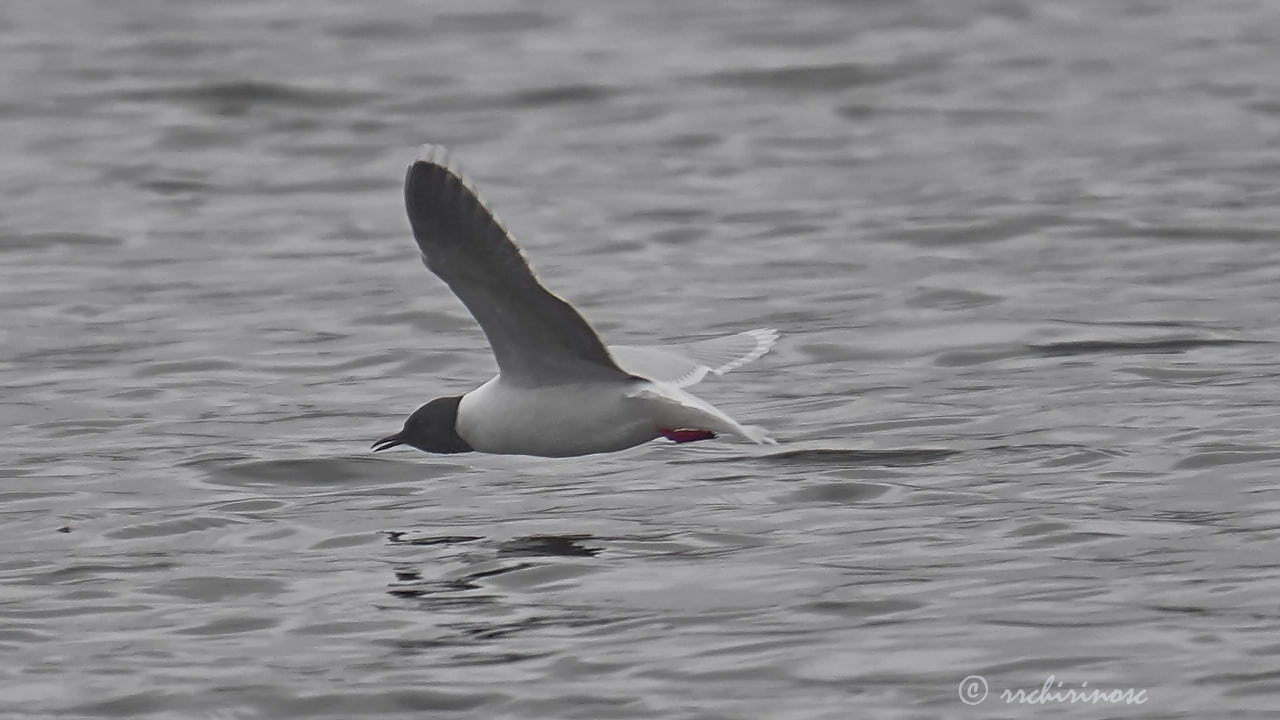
{"x":684,"y":435}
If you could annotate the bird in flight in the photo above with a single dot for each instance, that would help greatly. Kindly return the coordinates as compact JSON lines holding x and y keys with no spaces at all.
{"x":559,"y":391}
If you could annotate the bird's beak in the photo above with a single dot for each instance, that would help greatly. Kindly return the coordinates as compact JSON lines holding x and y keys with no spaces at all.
{"x":389,"y":441}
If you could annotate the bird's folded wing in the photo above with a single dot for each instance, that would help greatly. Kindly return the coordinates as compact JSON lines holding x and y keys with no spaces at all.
{"x":688,"y":364}
{"x":536,"y":337}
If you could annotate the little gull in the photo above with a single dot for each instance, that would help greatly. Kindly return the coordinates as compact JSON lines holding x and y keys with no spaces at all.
{"x":559,"y":392}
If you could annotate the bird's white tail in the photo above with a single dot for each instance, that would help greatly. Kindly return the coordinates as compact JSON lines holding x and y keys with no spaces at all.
{"x":757,"y":434}
{"x":673,"y":408}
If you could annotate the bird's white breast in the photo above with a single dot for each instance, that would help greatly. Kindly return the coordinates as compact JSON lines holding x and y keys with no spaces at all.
{"x":553,"y":421}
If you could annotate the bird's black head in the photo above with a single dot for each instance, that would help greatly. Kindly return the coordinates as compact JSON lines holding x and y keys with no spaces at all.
{"x":432,"y":427}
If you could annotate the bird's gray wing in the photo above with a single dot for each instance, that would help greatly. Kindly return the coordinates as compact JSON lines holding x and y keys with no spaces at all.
{"x":537,"y":338}
{"x":688,"y":364}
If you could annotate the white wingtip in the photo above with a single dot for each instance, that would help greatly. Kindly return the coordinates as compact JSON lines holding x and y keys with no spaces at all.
{"x":765,"y":339}
{"x":439,"y":155}
{"x":434,"y":154}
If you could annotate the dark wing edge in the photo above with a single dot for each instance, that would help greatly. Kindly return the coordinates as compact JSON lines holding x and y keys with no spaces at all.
{"x":464,"y":244}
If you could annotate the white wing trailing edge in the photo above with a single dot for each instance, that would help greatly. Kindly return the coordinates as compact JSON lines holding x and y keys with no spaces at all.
{"x":688,"y":364}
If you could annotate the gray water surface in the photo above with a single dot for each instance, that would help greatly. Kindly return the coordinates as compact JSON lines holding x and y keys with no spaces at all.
{"x":1024,"y":256}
